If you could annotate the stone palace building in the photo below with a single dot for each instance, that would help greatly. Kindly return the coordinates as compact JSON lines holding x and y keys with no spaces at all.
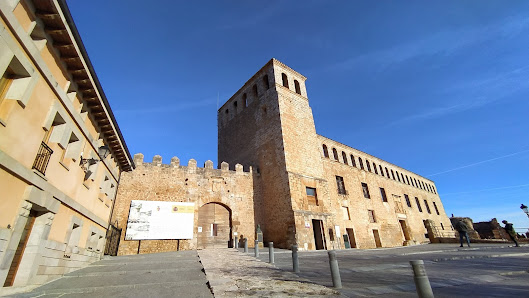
{"x":277,"y":172}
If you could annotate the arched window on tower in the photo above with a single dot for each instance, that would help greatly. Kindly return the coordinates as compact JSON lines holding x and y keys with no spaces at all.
{"x":375,"y":168}
{"x":266,"y":82}
{"x":335,"y":154}
{"x":285,"y":80}
{"x":325,"y":151}
{"x":368,"y":166}
{"x":381,"y":171}
{"x":244,"y":100}
{"x":296,"y":85}
{"x":344,"y":157}
{"x":235,"y":106}
{"x":255,"y":92}
{"x":361,"y":163}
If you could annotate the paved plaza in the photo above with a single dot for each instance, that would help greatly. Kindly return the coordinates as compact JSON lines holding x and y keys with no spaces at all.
{"x":484,"y":270}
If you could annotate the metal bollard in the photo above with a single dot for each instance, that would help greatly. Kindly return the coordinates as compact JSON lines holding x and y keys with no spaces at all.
{"x":256,"y":249}
{"x":246,"y":245}
{"x":236,"y":242}
{"x":271,"y":252}
{"x":335,"y":271}
{"x":295,"y":262}
{"x":422,"y":284}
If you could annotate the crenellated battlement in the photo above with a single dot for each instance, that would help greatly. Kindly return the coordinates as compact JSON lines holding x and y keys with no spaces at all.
{"x":191,"y":165}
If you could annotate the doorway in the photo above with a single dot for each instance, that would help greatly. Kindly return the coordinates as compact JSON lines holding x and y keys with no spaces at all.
{"x":377,"y":238}
{"x":351,"y":235}
{"x":17,"y":258}
{"x":214,"y":226}
{"x":405,"y":232}
{"x":319,"y":236}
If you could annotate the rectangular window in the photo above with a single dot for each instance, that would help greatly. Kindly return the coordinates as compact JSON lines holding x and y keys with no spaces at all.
{"x":383,"y":194}
{"x":436,"y":210}
{"x":371,"y":215}
{"x":361,"y":163}
{"x":381,"y":171}
{"x":312,"y":196}
{"x":353,"y":162}
{"x":341,"y":185}
{"x":5,"y":83}
{"x":365,"y":190}
{"x":427,"y":206}
{"x":392,"y":175}
{"x":368,"y":166}
{"x":346,"y":214}
{"x":407,"y":200}
{"x":418,"y":204}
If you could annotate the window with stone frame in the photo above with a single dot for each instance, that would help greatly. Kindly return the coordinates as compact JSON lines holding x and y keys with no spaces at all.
{"x":435,"y":206}
{"x":344,"y":157}
{"x":427,"y":207}
{"x":383,"y":194}
{"x":381,"y":171}
{"x":398,"y":177}
{"x":340,"y":185}
{"x":375,"y":168}
{"x":371,"y":214}
{"x":407,"y":200}
{"x":392,"y":175}
{"x":418,"y":204}
{"x":368,"y":165}
{"x":312,"y":196}
{"x":387,"y":172}
{"x":361,"y":163}
{"x":365,"y":190}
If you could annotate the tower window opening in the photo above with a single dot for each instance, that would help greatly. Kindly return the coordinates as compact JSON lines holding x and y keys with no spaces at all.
{"x":266,"y":82}
{"x":285,"y":80}
{"x":353,"y":162}
{"x":255,"y":92}
{"x":296,"y":85}
{"x":244,"y":100}
{"x":344,"y":157}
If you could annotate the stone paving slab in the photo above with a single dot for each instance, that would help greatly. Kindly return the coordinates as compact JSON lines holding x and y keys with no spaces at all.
{"x":174,"y":274}
{"x":235,"y":274}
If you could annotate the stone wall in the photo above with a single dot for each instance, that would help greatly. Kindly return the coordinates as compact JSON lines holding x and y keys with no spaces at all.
{"x":233,"y":190}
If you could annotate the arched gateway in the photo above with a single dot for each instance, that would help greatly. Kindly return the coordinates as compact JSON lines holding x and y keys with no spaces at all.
{"x":214,"y":226}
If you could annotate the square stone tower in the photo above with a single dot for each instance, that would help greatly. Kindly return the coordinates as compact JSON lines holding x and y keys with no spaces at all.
{"x":268,"y":124}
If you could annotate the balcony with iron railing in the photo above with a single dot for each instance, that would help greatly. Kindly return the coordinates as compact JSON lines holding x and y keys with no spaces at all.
{"x":43,"y":158}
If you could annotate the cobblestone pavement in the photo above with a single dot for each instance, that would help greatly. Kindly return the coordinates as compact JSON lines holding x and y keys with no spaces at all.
{"x":234,"y":274}
{"x":484,"y":270}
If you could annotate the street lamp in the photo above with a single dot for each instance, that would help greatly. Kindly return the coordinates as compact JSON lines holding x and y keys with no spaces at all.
{"x":103,"y":152}
{"x":525,"y":209}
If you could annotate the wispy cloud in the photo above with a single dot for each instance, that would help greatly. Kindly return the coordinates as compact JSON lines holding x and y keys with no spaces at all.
{"x":475,"y":93}
{"x":443,"y":42}
{"x":478,"y":163}
{"x":486,"y":189}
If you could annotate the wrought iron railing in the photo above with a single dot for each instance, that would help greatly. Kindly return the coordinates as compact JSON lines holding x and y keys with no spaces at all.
{"x":42,"y":159}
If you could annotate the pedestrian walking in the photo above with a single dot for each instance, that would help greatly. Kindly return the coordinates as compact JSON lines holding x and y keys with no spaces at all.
{"x":510,"y":230}
{"x":462,"y":228}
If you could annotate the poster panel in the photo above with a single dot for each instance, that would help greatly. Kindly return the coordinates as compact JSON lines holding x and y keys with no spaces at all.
{"x":155,"y":220}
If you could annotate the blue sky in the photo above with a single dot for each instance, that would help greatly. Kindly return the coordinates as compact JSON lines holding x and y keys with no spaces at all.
{"x":440,"y":89}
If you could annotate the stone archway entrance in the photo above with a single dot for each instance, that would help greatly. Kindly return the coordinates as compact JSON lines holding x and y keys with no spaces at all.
{"x":214,"y":226}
